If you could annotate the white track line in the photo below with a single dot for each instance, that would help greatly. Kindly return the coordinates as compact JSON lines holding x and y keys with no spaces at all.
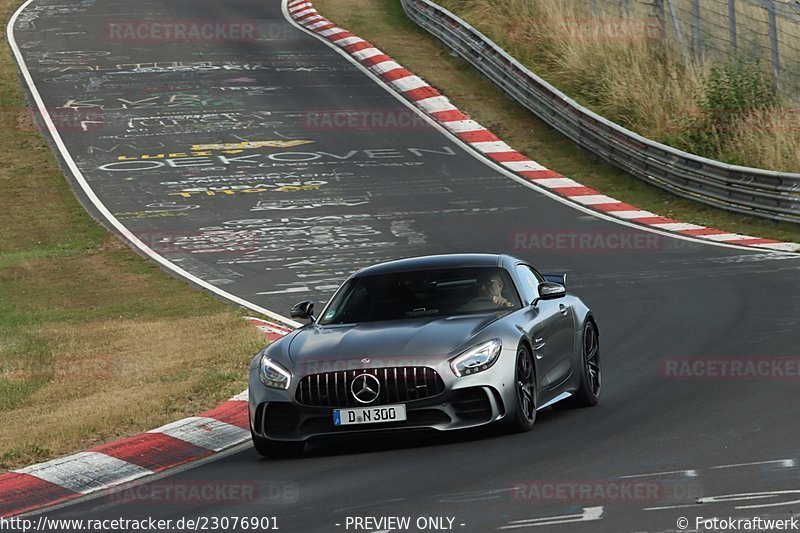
{"x":687,"y":473}
{"x":786,"y":463}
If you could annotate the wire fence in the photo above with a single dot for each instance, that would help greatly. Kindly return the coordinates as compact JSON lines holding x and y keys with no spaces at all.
{"x":766,"y":32}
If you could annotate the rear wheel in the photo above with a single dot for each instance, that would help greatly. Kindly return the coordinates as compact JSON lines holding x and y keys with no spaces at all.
{"x":525,"y":388}
{"x":276,"y":449}
{"x":588,"y":393}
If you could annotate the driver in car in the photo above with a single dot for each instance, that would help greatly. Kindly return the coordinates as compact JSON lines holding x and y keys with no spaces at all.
{"x":492,"y":288}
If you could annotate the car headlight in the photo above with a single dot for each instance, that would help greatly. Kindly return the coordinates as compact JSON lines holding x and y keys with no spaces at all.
{"x":272,"y":374}
{"x":477,"y":359}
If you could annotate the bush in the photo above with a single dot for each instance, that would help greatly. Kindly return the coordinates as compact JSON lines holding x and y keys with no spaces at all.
{"x":732,"y":97}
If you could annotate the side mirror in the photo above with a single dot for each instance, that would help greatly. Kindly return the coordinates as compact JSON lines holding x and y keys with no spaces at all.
{"x":550,"y":291}
{"x":303,"y":310}
{"x":561,"y":279}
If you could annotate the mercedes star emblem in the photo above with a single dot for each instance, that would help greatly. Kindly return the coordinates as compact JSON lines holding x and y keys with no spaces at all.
{"x":365,"y":388}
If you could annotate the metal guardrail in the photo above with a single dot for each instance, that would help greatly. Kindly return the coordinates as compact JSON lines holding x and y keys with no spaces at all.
{"x":751,"y":191}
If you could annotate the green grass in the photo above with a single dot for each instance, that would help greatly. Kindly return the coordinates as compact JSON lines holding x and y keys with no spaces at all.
{"x":95,"y":342}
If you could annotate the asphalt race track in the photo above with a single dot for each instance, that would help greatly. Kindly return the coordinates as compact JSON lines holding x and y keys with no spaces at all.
{"x":223,"y":157}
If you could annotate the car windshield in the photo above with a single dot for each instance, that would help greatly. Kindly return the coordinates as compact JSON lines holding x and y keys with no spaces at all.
{"x":422,"y":293}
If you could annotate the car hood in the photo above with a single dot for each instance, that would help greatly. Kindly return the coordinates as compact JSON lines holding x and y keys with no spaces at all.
{"x":400,"y":338}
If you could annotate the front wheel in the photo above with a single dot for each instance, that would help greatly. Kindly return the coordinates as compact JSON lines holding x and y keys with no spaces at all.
{"x":588,"y":393}
{"x":525,"y":388}
{"x":276,"y":449}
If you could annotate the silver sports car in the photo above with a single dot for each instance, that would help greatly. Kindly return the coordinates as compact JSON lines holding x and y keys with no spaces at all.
{"x":439,"y":342}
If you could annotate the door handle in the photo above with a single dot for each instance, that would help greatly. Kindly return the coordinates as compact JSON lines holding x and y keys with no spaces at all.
{"x":563,"y":309}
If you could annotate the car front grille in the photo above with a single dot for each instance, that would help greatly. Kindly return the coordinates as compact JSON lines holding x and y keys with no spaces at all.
{"x":397,"y":385}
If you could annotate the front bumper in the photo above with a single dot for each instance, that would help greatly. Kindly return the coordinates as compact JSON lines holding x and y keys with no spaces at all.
{"x":470,"y":401}
{"x":455,"y":409}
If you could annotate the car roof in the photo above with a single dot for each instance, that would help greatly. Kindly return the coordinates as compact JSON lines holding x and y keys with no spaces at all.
{"x":432,"y":262}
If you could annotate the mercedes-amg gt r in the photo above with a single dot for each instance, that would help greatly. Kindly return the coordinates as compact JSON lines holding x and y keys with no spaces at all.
{"x":439,"y":342}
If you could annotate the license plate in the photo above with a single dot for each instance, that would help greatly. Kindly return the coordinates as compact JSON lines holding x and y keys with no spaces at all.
{"x":369,"y":415}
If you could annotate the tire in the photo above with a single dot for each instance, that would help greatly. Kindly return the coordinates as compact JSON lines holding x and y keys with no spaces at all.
{"x":588,"y":393}
{"x":276,"y":449}
{"x":525,"y":391}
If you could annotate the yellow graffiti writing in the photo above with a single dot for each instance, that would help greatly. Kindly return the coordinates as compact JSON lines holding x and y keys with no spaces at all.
{"x":249,"y":145}
{"x":205,"y":150}
{"x":173,"y":155}
{"x":284,"y":188}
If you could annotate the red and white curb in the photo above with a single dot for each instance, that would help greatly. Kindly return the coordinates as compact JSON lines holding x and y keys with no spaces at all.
{"x":439,"y":108}
{"x":271,"y":330}
{"x":116,"y":463}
